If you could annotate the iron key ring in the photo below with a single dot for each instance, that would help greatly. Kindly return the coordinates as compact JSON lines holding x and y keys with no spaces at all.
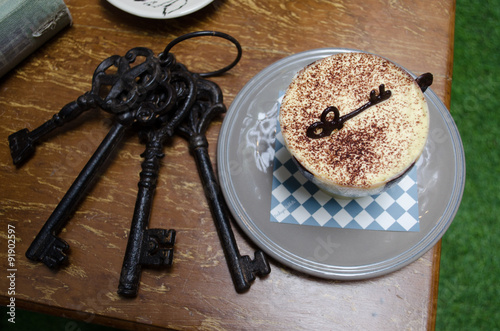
{"x":164,"y":55}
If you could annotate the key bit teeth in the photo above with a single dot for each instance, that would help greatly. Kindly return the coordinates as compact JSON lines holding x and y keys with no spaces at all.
{"x":260,"y":264}
{"x":50,"y":250}
{"x":158,"y":246}
{"x":21,"y":146}
{"x":55,"y":259}
{"x":55,"y":256}
{"x":247,"y":269}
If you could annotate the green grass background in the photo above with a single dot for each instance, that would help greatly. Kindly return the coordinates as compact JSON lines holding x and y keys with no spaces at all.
{"x":469,"y":290}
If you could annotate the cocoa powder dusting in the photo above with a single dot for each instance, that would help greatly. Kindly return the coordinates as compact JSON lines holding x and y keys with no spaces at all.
{"x":369,"y":144}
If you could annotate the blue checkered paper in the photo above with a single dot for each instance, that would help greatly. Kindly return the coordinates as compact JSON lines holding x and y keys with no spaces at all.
{"x":296,"y":200}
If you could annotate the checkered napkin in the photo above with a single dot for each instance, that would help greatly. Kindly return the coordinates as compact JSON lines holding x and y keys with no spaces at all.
{"x":297,"y":200}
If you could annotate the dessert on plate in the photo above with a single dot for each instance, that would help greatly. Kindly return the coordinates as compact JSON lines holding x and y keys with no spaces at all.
{"x":355,"y":123}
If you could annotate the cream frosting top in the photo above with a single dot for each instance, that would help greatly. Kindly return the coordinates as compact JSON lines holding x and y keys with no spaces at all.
{"x":373,"y":147}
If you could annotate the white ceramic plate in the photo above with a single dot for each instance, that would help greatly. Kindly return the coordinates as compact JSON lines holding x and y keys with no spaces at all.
{"x":160,"y":9}
{"x":245,"y":163}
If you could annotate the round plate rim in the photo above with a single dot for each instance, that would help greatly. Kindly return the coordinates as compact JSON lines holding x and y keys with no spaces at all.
{"x":324,"y":270}
{"x":156,"y":14}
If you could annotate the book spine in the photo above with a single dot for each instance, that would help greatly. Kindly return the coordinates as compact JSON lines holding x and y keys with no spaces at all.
{"x":25,"y":25}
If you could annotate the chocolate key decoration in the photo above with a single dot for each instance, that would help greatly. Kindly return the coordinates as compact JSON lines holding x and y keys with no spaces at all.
{"x":242,"y":268}
{"x":324,"y":127}
{"x":127,"y":93}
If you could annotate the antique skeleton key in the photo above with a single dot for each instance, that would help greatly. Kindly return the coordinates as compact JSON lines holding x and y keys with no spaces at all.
{"x":242,"y":268}
{"x":115,"y":93}
{"x":138,"y":94}
{"x":22,"y":143}
{"x":47,"y":247}
{"x":154,"y":247}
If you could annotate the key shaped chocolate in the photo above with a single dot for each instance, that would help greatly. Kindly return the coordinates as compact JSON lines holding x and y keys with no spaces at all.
{"x":325,"y":127}
{"x":138,"y":94}
{"x":154,"y":247}
{"x":242,"y":268}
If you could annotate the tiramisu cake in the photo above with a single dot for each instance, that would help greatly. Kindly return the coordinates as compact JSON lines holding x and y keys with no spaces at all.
{"x":355,"y":122}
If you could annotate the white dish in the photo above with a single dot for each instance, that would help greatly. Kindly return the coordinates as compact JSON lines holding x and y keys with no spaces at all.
{"x":245,"y":164}
{"x":160,"y":9}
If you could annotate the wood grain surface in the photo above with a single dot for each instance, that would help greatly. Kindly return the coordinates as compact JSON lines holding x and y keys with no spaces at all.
{"x":197,"y":292}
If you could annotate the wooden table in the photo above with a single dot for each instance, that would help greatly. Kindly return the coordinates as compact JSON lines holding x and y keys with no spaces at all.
{"x":197,"y":291}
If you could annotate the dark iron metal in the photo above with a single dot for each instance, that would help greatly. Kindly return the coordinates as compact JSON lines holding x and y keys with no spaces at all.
{"x":138,"y":252}
{"x":117,"y":88}
{"x":242,"y":268}
{"x":22,"y":143}
{"x":154,"y":247}
{"x":203,"y":34}
{"x":138,"y":94}
{"x":157,"y":94}
{"x":47,"y":247}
